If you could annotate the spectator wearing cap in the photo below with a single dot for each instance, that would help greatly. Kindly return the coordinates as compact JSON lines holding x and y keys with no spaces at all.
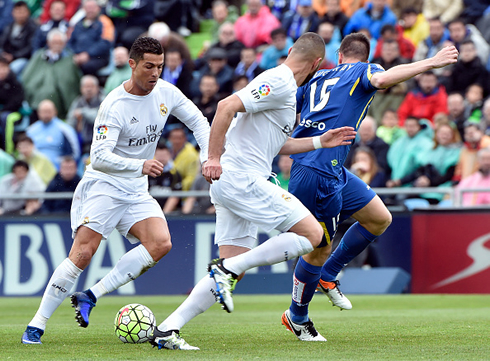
{"x":254,"y":27}
{"x":217,"y":66}
{"x":248,"y":65}
{"x":373,"y":16}
{"x":300,"y":21}
{"x":279,"y":47}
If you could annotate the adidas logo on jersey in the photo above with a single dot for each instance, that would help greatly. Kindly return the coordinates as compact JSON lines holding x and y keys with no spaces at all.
{"x":133,"y":121}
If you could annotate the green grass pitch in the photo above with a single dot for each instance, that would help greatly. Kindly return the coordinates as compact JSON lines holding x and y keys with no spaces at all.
{"x":386,"y":327}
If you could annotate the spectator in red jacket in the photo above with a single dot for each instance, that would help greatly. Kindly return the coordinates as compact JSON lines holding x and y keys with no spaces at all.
{"x":254,"y":28}
{"x":428,"y":99}
{"x":389,"y":32}
{"x":71,"y":8}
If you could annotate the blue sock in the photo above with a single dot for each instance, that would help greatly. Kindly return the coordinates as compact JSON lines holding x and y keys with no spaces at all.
{"x":306,"y":277}
{"x":355,"y":240}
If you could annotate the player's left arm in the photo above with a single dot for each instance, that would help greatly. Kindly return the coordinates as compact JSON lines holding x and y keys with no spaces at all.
{"x":446,"y":56}
{"x":330,"y":139}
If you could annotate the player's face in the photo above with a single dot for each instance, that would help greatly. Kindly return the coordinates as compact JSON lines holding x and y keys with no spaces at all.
{"x":147,"y":71}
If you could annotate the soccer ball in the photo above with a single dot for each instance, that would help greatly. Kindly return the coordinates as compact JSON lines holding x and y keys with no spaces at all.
{"x":134,"y":323}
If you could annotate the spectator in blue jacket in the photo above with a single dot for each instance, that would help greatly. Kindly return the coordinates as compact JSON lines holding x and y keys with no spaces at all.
{"x":5,"y":13}
{"x":303,"y":20}
{"x":279,"y":47}
{"x":92,"y":39}
{"x":373,"y":16}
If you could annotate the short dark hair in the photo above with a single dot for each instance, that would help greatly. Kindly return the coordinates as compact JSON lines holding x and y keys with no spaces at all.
{"x":355,"y":45}
{"x":19,"y":4}
{"x":278,"y":31}
{"x":24,"y":138}
{"x":468,"y":41}
{"x":409,"y":10}
{"x":162,"y":146}
{"x":145,"y":45}
{"x":20,"y":163}
{"x":388,"y":28}
{"x":457,"y":20}
{"x":309,"y":46}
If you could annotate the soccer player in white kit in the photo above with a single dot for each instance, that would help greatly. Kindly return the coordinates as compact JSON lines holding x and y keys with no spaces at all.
{"x":240,"y":190}
{"x":113,"y":192}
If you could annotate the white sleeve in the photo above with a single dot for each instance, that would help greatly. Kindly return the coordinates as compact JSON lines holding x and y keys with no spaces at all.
{"x":189,"y":114}
{"x":264,"y":93}
{"x":102,"y":157}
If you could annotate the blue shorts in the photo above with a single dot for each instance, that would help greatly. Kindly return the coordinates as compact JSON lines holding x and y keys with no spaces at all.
{"x":329,"y":199}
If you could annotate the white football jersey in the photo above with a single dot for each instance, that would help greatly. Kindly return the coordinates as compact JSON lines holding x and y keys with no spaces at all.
{"x":258,"y":135}
{"x":127,"y":130}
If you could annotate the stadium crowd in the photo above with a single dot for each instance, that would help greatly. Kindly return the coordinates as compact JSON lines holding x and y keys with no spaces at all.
{"x":60,"y":58}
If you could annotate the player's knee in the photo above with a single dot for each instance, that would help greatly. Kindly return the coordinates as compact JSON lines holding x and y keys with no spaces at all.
{"x":159,"y":246}
{"x":316,"y":235}
{"x":384,"y":221}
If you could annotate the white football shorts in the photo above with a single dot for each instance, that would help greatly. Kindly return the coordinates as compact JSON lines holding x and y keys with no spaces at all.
{"x":245,"y":202}
{"x":102,"y":207}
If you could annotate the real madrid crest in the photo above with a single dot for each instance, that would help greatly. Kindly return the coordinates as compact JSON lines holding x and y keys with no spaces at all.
{"x":163,"y":109}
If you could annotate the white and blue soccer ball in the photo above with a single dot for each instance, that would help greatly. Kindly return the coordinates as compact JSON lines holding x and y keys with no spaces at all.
{"x":134,"y":323}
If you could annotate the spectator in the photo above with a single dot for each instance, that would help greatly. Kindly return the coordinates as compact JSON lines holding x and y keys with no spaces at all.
{"x":222,"y":13}
{"x":5,"y":14}
{"x":37,"y":161}
{"x":71,"y":8}
{"x":240,"y":82}
{"x":459,"y":32}
{"x":474,"y":140}
{"x":198,"y":205}
{"x":248,"y":65}
{"x":91,"y":40}
{"x":414,"y":25}
{"x":391,"y":97}
{"x":180,"y":15}
{"x":254,"y":28}
{"x":227,"y":41}
{"x":16,"y":38}
{"x":83,"y":111}
{"x":169,"y":180}
{"x":365,"y":166}
{"x":437,"y":39}
{"x":367,"y":138}
{"x":456,"y":109}
{"x":208,"y":101}
{"x":170,"y":40}
{"x":279,"y":47}
{"x":122,"y":70}
{"x":372,"y":42}
{"x":403,"y":153}
{"x":373,"y":16}
{"x":389,"y":131}
{"x":130,"y":19}
{"x":398,"y":6}
{"x":428,"y":99}
{"x":56,"y":20}
{"x":6,"y":162}
{"x":390,"y":33}
{"x":218,"y":67}
{"x":65,"y":181}
{"x":52,"y":74}
{"x":435,"y":167}
{"x":334,"y":15}
{"x":485,"y":119}
{"x":478,"y":179}
{"x":473,"y":103}
{"x":331,"y":36}
{"x":282,"y":177}
{"x":185,"y":156}
{"x":11,"y":95}
{"x":468,"y":70}
{"x":446,"y":10}
{"x":20,"y":181}
{"x":301,"y":20}
{"x":51,"y":136}
{"x":176,"y":72}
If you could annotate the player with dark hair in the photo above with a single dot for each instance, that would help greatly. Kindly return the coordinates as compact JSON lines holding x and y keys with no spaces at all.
{"x":243,"y":197}
{"x":334,"y":98}
{"x":113,"y":193}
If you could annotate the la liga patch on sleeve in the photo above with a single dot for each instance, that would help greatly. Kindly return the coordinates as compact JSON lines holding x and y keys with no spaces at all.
{"x":262,"y":91}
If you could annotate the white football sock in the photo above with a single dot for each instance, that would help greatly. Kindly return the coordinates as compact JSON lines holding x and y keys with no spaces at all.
{"x":201,"y":298}
{"x":59,"y":286}
{"x":277,"y":249}
{"x":131,"y":265}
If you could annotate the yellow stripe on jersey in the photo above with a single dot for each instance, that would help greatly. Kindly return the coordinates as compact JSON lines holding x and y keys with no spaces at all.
{"x":364,"y":110}
{"x":354,"y":86}
{"x":325,"y":230}
{"x":369,"y":74}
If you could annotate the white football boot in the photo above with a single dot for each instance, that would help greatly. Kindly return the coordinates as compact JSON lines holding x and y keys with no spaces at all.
{"x":304,"y":332}
{"x":332,"y":291}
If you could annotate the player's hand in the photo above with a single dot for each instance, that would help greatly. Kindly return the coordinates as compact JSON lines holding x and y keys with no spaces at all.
{"x":211,"y":170}
{"x":446,"y":56}
{"x":153,"y":168}
{"x":338,"y":136}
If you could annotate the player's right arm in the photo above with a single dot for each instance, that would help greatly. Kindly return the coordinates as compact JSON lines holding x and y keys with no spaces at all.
{"x":227,"y":108}
{"x":400,"y":73}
